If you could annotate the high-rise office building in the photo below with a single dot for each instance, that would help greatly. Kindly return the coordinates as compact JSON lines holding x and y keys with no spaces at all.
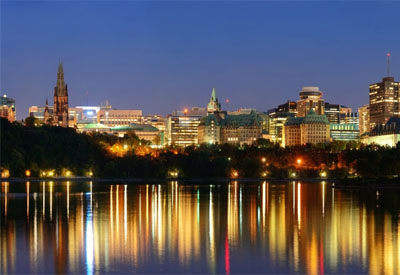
{"x":384,"y":101}
{"x":363,"y":124}
{"x":310,"y":98}
{"x":183,"y":126}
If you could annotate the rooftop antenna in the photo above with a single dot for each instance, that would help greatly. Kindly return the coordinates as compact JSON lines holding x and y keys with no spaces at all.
{"x":388,"y":63}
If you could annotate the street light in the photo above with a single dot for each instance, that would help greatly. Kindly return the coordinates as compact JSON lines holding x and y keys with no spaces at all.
{"x":263,"y":160}
{"x":299,"y":161}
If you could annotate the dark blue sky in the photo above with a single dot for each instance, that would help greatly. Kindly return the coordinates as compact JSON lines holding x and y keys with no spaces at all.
{"x":162,"y":56}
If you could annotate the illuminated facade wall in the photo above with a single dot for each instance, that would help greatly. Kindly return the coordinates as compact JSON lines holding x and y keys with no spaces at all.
{"x":112,"y":118}
{"x":363,"y":114}
{"x":345,"y":132}
{"x":384,"y":101}
{"x":276,"y":121}
{"x":7,"y":108}
{"x":183,"y":127}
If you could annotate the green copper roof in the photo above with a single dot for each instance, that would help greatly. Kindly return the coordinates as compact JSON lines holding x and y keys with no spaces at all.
{"x":95,"y":126}
{"x":232,"y":120}
{"x":310,"y":118}
{"x":313,"y":118}
{"x":135,"y":127}
{"x":213,"y":95}
{"x":294,"y":121}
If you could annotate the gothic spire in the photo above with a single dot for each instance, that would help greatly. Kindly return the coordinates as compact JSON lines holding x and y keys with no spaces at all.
{"x":213,"y":95}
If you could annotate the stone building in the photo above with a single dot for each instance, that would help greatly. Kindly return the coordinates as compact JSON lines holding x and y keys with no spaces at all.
{"x":313,"y":129}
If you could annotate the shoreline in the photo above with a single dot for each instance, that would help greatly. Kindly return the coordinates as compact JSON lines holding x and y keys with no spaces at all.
{"x":334,"y":183}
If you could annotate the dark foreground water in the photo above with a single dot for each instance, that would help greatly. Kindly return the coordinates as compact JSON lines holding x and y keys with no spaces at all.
{"x":293,"y":227}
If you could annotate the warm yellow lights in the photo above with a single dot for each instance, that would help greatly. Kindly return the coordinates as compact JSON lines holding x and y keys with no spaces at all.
{"x":90,"y":173}
{"x":323,"y":174}
{"x":5,"y":173}
{"x":299,"y":161}
{"x":264,"y":174}
{"x":28,"y":173}
{"x":263,"y":160}
{"x":173,"y":174}
{"x":293,"y":174}
{"x":234,"y":174}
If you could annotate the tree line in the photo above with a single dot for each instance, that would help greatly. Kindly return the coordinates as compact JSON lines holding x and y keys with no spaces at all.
{"x":42,"y":148}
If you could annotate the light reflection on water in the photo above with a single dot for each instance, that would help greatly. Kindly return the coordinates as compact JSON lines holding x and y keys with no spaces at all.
{"x":68,"y":227}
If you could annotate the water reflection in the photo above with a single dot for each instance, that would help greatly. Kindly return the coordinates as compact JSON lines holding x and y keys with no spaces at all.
{"x":68,"y":227}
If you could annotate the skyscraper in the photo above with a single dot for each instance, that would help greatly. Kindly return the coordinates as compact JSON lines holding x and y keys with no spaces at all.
{"x":60,"y":117}
{"x":384,"y":101}
{"x":310,"y":99}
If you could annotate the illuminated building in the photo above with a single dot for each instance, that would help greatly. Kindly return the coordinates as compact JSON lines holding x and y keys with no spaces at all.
{"x":363,"y":114}
{"x":332,"y":112}
{"x":344,"y":131}
{"x":276,"y":121}
{"x":7,"y":108}
{"x":385,"y":135}
{"x":113,"y":118}
{"x":143,"y":131}
{"x":233,"y":129}
{"x":210,"y":129}
{"x":288,"y":107}
{"x":310,"y":98}
{"x":241,"y":129}
{"x":313,"y":129}
{"x":93,"y":127}
{"x":183,"y":126}
{"x":38,"y":111}
{"x":384,"y":101}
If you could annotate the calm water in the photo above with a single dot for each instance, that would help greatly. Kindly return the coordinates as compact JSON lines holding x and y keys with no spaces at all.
{"x":295,"y":227}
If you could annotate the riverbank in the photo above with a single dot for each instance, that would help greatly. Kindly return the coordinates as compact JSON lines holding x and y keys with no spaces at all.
{"x":152,"y":180}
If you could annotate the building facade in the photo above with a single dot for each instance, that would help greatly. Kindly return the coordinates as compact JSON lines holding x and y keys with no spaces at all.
{"x":384,"y":101}
{"x":363,"y":115}
{"x":114,"y":118}
{"x":7,"y":108}
{"x":310,"y":99}
{"x":385,"y":135}
{"x":183,"y":126}
{"x":313,"y":129}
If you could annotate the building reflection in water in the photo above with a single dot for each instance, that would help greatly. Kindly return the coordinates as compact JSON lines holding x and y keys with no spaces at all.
{"x":68,"y":227}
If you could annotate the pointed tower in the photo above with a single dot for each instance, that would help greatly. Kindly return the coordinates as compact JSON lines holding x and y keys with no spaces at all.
{"x":213,"y":105}
{"x":61,"y":99}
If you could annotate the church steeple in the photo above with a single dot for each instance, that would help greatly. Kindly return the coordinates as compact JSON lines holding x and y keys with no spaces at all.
{"x":61,"y":88}
{"x":61,"y":99}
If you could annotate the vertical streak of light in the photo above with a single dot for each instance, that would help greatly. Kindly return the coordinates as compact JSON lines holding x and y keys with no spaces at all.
{"x":27,"y":199}
{"x":198,"y":206}
{"x":44,"y":198}
{"x":125,"y":214}
{"x":89,"y":236}
{"x":67,"y":199}
{"x":159,"y":221}
{"x":35,"y":235}
{"x":117,"y":209}
{"x":240,"y":211}
{"x":227,"y":259}
{"x":211,"y":232}
{"x":147,"y":205}
{"x":298,"y":204}
{"x":294,"y":196}
{"x":111,"y":211}
{"x":51,"y":200}
{"x":323,"y":198}
{"x":263,"y":203}
{"x":5,"y":198}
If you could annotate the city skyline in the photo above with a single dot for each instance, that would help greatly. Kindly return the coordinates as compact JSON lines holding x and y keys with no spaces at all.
{"x":142,"y":57}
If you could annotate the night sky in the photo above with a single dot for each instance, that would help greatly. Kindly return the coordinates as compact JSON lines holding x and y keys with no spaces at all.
{"x":162,"y":56}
